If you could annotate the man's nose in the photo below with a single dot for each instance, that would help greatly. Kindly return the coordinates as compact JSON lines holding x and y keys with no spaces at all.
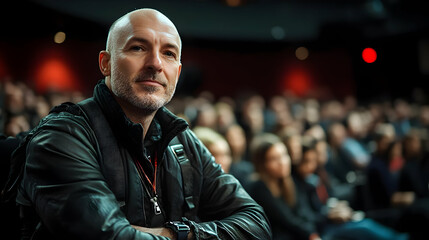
{"x":153,"y":61}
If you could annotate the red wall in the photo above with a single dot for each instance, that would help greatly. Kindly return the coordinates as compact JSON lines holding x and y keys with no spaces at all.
{"x":74,"y":65}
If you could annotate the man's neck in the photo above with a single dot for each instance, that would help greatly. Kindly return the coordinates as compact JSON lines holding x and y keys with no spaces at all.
{"x":144,"y":120}
{"x":137,"y":115}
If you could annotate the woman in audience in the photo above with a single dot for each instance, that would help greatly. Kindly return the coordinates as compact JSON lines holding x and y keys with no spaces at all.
{"x":275,"y":190}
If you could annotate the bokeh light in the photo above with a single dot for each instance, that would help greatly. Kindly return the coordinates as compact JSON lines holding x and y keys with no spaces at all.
{"x":59,"y":37}
{"x":369,"y":55}
{"x":301,"y":53}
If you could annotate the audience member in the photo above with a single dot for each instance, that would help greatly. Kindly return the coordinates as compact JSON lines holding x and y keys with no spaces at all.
{"x":415,"y":176}
{"x":402,"y":121}
{"x":292,"y":141}
{"x":16,"y":124}
{"x":225,"y":116}
{"x":241,"y":166}
{"x":274,"y":190}
{"x":217,"y":145}
{"x":353,"y":146}
{"x":278,"y":114}
{"x":414,"y":179}
{"x":383,"y":177}
{"x":251,"y":116}
{"x":206,"y":116}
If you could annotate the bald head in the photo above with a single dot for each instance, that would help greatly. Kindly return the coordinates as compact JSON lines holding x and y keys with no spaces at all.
{"x":142,"y":64}
{"x":126,"y":26}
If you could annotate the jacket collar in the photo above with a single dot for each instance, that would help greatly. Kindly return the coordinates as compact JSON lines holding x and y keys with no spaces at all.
{"x":163,"y":128}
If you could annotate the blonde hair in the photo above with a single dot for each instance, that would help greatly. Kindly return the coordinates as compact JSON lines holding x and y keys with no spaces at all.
{"x":208,"y":136}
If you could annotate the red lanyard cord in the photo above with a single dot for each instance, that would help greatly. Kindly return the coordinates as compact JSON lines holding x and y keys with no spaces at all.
{"x":153,"y":199}
{"x":140,"y":168}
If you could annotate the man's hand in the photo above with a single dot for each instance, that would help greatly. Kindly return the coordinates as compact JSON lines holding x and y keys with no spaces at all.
{"x":165,"y":232}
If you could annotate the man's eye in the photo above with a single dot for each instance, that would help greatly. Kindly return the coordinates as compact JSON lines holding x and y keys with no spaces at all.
{"x":136,"y":48}
{"x":170,"y":54}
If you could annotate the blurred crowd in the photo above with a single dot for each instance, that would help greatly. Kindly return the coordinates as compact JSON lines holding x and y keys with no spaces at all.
{"x":314,"y":165}
{"x":21,"y":108}
{"x":331,"y":169}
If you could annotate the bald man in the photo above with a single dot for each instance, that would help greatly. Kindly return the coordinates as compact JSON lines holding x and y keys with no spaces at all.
{"x":127,"y":180}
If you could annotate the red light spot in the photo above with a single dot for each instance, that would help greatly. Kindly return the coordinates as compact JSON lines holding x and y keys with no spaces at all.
{"x":369,"y":55}
{"x":298,"y":81}
{"x":54,"y":74}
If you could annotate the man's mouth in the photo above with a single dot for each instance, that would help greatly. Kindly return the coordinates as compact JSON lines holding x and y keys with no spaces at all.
{"x":150,"y":82}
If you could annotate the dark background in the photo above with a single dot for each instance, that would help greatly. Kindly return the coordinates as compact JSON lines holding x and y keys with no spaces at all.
{"x":229,"y":50}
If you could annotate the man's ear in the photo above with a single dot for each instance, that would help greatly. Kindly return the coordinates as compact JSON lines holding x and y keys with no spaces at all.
{"x":180,"y":70}
{"x":104,"y":63}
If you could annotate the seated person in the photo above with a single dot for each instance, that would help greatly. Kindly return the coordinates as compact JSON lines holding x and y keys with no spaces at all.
{"x":217,"y":145}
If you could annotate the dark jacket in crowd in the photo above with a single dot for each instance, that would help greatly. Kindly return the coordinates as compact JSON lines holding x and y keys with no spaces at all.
{"x":64,"y":181}
{"x":287,"y":222}
{"x":382,"y":184}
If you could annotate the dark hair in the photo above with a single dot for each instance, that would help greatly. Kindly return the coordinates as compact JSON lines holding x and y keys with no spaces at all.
{"x":308,"y":143}
{"x":259,"y":147}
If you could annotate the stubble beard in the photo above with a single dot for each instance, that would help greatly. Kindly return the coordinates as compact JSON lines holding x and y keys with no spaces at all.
{"x":147,"y":102}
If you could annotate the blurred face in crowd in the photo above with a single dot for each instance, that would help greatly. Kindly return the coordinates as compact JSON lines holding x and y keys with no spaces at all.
{"x":383,"y":144}
{"x":16,"y":125}
{"x":142,"y":60}
{"x":295,"y":148}
{"x":253,"y":113}
{"x":402,"y":109}
{"x":356,"y":125}
{"x":277,"y":163}
{"x":222,"y":154}
{"x":337,"y":134}
{"x":237,"y":140}
{"x":14,"y":99}
{"x":225,"y":115}
{"x":322,"y":153}
{"x":206,"y":116}
{"x":424,"y":115}
{"x":308,"y":164}
{"x":396,"y":151}
{"x":412,"y":146}
{"x":386,"y":134}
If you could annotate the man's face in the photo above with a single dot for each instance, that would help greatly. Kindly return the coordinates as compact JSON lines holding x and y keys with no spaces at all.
{"x":145,"y":63}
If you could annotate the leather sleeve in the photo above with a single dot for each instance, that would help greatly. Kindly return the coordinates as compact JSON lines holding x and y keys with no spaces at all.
{"x":225,"y":208}
{"x":64,"y":184}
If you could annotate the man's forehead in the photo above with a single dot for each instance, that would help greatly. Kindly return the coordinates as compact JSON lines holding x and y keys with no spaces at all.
{"x":140,"y":22}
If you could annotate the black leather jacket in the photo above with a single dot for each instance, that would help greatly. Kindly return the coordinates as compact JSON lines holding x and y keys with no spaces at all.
{"x":65,"y":184}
